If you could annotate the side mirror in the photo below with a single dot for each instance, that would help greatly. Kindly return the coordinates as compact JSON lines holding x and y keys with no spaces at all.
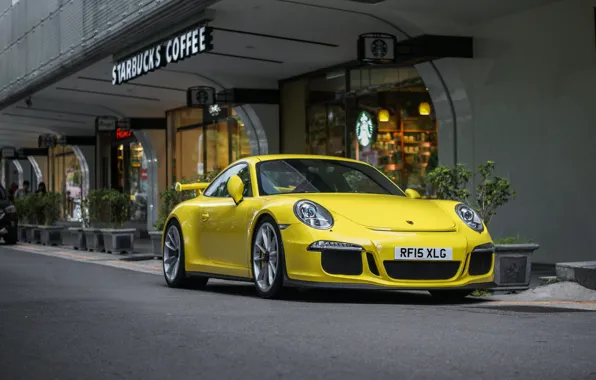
{"x":413,"y":194}
{"x":236,"y":189}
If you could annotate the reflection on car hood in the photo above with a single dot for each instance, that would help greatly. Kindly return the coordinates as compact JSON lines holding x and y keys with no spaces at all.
{"x":386,"y":212}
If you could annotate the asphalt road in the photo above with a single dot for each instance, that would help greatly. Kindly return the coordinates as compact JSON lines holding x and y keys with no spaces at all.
{"x":62,"y":319}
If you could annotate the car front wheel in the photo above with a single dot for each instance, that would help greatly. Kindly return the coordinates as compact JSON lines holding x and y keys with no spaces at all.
{"x":268,"y":259}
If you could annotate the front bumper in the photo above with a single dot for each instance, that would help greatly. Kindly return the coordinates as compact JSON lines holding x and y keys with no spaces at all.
{"x":374,"y":267}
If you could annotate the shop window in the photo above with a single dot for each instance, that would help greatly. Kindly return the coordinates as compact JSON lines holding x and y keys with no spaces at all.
{"x":239,"y":142}
{"x":217,"y":149}
{"x":203,"y":147}
{"x":67,"y":179}
{"x":404,"y":142}
{"x":137,"y":182}
{"x":326,"y":129}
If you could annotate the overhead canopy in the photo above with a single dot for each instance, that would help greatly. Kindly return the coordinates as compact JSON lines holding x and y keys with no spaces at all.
{"x":255,"y":44}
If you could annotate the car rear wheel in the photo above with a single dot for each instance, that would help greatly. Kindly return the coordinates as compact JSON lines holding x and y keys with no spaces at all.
{"x":450,"y":296}
{"x":173,"y":260}
{"x":268,"y":263}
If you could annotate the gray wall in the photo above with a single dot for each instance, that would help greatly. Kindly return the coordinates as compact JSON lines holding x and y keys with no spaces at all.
{"x":526,"y":102}
{"x":41,"y":40}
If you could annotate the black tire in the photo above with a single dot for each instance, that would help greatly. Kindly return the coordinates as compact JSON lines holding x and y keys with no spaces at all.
{"x":12,"y":236}
{"x":450,"y":296}
{"x":276,"y":289}
{"x":180,"y":278}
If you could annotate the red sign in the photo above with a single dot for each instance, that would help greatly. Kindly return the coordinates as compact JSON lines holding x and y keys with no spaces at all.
{"x":120,"y":134}
{"x":144,"y":174}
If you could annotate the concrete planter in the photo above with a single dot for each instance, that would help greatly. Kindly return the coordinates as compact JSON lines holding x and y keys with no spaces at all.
{"x":35,"y":235}
{"x":94,"y":239}
{"x":119,"y":240}
{"x":156,"y":240}
{"x":23,"y":233}
{"x":79,"y":238}
{"x":513,"y":265}
{"x":51,"y":235}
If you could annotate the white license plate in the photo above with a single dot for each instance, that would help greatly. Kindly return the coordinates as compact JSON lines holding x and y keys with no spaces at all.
{"x":417,"y":253}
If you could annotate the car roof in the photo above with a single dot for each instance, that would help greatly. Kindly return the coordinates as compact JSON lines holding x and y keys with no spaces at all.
{"x":272,"y":157}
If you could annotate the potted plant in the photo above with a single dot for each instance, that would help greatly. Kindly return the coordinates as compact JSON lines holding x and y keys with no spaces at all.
{"x":51,"y":206}
{"x":513,"y":258}
{"x":117,"y":207}
{"x":94,"y":219}
{"x":77,"y":234}
{"x":37,"y":217}
{"x":169,"y":199}
{"x":25,"y":219}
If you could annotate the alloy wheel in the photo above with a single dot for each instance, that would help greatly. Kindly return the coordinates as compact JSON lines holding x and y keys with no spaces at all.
{"x":172,"y":253}
{"x":265,"y":257}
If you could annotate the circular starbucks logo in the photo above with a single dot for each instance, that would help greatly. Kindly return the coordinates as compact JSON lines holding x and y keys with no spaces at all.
{"x":379,"y":48}
{"x":364,"y":128}
{"x":202,"y":97}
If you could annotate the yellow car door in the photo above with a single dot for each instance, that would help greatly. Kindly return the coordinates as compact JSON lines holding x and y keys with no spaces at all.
{"x":223,"y":232}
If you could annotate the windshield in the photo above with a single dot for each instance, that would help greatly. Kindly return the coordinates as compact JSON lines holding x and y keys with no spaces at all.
{"x":321,"y":176}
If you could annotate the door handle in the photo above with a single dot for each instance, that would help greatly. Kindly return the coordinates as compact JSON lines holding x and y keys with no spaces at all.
{"x":205,"y":216}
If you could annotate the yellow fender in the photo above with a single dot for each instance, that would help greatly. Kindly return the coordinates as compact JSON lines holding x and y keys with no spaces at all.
{"x":200,"y":186}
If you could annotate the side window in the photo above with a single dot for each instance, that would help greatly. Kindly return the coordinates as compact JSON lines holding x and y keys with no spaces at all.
{"x":219,"y":187}
{"x":3,"y":194}
{"x":244,"y":174}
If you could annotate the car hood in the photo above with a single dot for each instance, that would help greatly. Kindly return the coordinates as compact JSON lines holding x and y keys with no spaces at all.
{"x":387,"y":212}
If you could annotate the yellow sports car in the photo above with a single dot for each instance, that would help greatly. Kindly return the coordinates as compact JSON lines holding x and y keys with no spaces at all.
{"x":317,"y":221}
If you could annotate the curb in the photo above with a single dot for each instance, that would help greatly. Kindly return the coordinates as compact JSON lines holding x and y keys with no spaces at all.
{"x":583,"y":273}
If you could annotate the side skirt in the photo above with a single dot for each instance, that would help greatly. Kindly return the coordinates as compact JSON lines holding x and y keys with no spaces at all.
{"x":218,"y":276}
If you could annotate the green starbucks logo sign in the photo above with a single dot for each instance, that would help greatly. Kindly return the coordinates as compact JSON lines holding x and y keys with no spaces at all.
{"x":365,"y":128}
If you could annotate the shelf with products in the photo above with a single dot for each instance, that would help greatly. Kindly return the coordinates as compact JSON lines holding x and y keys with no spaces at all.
{"x":405,"y":147}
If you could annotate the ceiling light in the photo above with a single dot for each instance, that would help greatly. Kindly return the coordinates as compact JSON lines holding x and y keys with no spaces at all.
{"x":424,"y":109}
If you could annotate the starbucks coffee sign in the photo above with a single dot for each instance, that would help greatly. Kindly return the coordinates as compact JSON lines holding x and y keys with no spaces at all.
{"x":365,"y":129}
{"x":181,"y":46}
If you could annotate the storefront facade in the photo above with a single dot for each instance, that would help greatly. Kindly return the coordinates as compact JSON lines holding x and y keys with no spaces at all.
{"x":377,"y":114}
{"x":133,"y":160}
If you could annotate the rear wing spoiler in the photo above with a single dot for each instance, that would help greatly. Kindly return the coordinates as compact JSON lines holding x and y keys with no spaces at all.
{"x":200,"y":186}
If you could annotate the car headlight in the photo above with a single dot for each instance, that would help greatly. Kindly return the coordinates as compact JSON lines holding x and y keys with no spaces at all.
{"x":10,"y":209}
{"x":469,"y":217}
{"x":313,"y":215}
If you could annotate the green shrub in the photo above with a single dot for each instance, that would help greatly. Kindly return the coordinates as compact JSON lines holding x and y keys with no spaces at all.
{"x":491,"y":192}
{"x":51,"y":206}
{"x":107,"y":208}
